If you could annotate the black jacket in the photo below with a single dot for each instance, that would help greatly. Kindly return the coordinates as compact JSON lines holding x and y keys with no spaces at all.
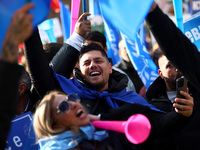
{"x":184,"y":56}
{"x":132,"y":74}
{"x":9,"y":79}
{"x":157,"y":96}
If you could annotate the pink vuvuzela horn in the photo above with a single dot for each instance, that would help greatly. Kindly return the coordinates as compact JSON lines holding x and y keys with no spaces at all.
{"x":137,"y":128}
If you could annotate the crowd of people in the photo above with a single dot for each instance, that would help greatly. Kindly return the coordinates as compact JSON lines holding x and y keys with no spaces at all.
{"x":69,"y":85}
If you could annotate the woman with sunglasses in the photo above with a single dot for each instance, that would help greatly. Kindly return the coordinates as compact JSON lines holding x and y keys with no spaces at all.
{"x":60,"y":122}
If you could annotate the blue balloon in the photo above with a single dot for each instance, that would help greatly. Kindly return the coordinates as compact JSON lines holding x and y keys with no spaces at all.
{"x":9,"y":7}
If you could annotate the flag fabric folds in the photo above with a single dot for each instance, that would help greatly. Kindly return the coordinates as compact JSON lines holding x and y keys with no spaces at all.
{"x":127,"y":15}
{"x":113,"y":38}
{"x":141,"y":60}
{"x":9,"y":7}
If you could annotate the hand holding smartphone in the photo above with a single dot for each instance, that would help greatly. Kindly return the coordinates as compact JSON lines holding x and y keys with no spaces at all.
{"x":181,"y":85}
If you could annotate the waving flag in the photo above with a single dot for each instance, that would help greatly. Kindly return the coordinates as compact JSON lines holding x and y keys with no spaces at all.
{"x":9,"y":7}
{"x":141,"y":60}
{"x":111,"y":33}
{"x":65,"y":16}
{"x":113,"y":38}
{"x":125,"y":15}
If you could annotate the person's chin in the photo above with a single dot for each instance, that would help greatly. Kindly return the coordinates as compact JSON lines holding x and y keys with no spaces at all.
{"x":85,"y":122}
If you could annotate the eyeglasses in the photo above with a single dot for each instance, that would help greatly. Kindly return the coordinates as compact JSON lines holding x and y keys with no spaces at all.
{"x":64,"y":106}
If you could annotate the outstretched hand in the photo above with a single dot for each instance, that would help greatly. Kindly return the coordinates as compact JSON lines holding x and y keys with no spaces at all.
{"x":184,"y":106}
{"x":83,"y":27}
{"x":19,"y":30}
{"x":93,"y":117}
{"x":21,"y":24}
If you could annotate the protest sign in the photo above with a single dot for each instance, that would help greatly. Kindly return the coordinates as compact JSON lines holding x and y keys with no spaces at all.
{"x":19,"y":131}
{"x":192,"y":29}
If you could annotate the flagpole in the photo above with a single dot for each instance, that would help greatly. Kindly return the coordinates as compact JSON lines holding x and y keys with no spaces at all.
{"x":178,"y":13}
{"x":84,"y":3}
{"x":75,"y":4}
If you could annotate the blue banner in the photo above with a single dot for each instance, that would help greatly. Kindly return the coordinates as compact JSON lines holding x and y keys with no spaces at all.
{"x":192,"y":29}
{"x":65,"y":16}
{"x":112,"y":38}
{"x":125,"y":16}
{"x":9,"y":7}
{"x":141,"y":60}
{"x":19,"y":131}
{"x":195,"y":6}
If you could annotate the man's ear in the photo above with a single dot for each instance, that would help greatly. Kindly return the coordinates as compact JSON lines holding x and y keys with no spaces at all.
{"x":22,"y":88}
{"x":110,"y":68}
{"x":160,"y":73}
{"x":106,"y":49}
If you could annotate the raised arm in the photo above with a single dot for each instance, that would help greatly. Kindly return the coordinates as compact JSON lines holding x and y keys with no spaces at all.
{"x":19,"y":29}
{"x":175,"y":45}
{"x":40,"y":72}
{"x":65,"y":60}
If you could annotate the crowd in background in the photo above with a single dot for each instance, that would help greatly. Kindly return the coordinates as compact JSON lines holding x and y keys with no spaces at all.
{"x":67,"y":86}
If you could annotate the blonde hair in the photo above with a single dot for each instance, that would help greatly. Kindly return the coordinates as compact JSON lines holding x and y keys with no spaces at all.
{"x":43,"y":117}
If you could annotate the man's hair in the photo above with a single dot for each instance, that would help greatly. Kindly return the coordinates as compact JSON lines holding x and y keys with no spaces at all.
{"x":25,"y":78}
{"x":98,"y":37}
{"x":160,"y":56}
{"x":93,"y":47}
{"x":51,"y":49}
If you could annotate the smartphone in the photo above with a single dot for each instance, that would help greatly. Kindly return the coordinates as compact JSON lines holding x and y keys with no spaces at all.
{"x":181,"y":85}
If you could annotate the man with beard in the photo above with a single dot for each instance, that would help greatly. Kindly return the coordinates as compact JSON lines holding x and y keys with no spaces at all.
{"x":162,"y":92}
{"x":162,"y":95}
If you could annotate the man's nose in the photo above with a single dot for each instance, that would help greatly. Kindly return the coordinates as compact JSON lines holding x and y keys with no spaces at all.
{"x":93,"y":64}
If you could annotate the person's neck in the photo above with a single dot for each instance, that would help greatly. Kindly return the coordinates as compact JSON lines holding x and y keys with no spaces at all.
{"x":102,"y":89}
{"x":169,"y":89}
{"x":22,"y":103}
{"x":129,"y":63}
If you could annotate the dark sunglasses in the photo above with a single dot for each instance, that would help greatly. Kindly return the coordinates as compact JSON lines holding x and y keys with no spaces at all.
{"x":64,"y":106}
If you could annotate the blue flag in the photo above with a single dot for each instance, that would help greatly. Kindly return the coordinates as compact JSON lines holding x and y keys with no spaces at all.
{"x":192,"y":30}
{"x":9,"y":7}
{"x":112,"y":38}
{"x":141,"y":60}
{"x":65,"y":16}
{"x":125,"y":15}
